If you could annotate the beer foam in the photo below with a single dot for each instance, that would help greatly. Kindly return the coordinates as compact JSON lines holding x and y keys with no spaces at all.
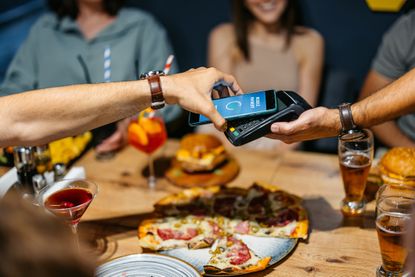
{"x":395,"y":220}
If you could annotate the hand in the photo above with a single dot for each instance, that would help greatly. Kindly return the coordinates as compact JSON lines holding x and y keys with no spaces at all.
{"x":117,"y":140}
{"x":193,"y":90}
{"x":312,"y":124}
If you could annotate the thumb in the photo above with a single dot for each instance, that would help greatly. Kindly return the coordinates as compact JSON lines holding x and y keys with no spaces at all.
{"x":218,"y":120}
{"x":282,"y":128}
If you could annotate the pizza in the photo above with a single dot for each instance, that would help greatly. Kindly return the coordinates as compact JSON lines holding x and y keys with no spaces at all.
{"x":213,"y":217}
{"x":231,"y":255}
{"x":193,"y":232}
{"x":260,"y":210}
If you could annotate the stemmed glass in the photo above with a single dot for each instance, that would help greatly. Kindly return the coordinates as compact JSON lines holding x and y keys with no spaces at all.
{"x":68,"y":200}
{"x":148,"y":134}
{"x":394,"y":210}
{"x":355,"y":151}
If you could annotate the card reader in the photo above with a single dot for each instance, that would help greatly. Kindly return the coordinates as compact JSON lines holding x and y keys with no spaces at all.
{"x":290,"y":106}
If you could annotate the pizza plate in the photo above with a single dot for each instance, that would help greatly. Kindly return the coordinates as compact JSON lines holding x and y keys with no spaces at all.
{"x":276,"y":248}
{"x":147,"y":265}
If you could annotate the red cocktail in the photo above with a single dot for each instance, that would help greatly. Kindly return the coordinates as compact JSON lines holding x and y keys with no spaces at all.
{"x":69,"y":204}
{"x":68,"y":199}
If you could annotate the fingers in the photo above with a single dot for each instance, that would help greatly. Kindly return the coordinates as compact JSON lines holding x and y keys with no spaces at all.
{"x":216,"y":118}
{"x":114,"y":142}
{"x":222,"y":91}
{"x":283,"y":128}
{"x":283,"y":138}
{"x":215,"y":94}
{"x":228,"y":80}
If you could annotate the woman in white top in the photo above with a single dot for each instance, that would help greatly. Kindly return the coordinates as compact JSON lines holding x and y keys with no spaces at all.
{"x":266,"y":48}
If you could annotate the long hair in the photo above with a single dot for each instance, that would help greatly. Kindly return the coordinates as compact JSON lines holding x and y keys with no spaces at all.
{"x":242,"y":19}
{"x":69,"y":8}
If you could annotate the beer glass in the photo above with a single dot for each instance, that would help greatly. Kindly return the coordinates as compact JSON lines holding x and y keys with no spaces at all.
{"x":394,"y":211}
{"x":355,"y":159}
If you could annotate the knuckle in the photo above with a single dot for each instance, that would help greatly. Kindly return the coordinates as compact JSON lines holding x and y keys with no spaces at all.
{"x":211,"y":70}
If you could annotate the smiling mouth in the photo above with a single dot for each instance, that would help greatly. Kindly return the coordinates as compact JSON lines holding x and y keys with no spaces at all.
{"x":268,"y":6}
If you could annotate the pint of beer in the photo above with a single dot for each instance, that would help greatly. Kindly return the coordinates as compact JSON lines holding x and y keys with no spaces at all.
{"x":355,"y":159}
{"x":394,"y":210}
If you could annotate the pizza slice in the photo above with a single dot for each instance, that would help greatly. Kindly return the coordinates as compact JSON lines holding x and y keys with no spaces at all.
{"x":231,"y":255}
{"x":193,"y":232}
{"x":196,"y":201}
{"x":289,"y":222}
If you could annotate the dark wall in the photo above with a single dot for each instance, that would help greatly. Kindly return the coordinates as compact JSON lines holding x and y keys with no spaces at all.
{"x":188,"y":23}
{"x":352,"y":32}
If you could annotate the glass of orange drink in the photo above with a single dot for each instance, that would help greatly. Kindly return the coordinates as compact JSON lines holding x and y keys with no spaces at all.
{"x":147,"y":134}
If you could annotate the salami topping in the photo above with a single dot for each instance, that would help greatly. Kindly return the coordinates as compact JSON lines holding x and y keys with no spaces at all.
{"x":166,"y":234}
{"x":242,"y":227}
{"x":238,"y":252}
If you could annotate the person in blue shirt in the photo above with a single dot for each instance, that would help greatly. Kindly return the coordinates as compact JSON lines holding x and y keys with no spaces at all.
{"x":91,"y":41}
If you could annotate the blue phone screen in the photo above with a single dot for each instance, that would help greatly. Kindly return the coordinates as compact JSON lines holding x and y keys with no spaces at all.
{"x":234,"y":106}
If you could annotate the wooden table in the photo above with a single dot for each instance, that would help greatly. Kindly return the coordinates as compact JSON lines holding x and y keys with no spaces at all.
{"x":335,"y":248}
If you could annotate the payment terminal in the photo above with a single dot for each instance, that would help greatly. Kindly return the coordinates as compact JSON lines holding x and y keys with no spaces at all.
{"x":289,"y":107}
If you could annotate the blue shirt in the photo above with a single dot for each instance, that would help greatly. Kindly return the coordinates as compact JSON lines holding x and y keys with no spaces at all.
{"x":56,"y":54}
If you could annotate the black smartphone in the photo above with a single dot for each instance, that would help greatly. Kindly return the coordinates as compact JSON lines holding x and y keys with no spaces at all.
{"x":240,"y":106}
{"x":290,"y":107}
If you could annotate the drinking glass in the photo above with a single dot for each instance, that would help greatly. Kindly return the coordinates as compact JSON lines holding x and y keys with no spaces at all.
{"x":355,"y":158}
{"x":148,"y":134}
{"x":68,"y":200}
{"x":394,"y":210}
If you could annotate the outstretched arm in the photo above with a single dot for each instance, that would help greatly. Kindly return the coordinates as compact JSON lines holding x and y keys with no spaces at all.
{"x":394,"y":100}
{"x":37,"y":117}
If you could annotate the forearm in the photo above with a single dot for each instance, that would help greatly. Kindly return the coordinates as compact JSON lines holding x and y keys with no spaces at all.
{"x":390,"y":135}
{"x":37,"y":117}
{"x":40,"y":116}
{"x":394,"y":100}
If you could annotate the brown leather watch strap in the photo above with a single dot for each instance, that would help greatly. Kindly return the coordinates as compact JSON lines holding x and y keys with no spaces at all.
{"x":346,"y":117}
{"x":157,"y":98}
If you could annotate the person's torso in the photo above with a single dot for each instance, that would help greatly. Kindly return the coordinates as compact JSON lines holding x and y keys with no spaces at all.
{"x":269,"y":67}
{"x":64,"y":57}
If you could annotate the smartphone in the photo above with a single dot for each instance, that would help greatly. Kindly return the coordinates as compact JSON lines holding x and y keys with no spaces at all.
{"x":240,"y":106}
{"x":290,"y":107}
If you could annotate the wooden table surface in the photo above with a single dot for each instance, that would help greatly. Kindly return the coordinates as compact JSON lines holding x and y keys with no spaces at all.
{"x":336,"y":247}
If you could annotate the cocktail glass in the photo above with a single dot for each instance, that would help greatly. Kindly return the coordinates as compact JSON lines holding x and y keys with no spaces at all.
{"x":68,"y":200}
{"x":148,"y":134}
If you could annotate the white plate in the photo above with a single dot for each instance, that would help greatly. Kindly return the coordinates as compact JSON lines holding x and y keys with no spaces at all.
{"x":276,"y":248}
{"x":146,"y":265}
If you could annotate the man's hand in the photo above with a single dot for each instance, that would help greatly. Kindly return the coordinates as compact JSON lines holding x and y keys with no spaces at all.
{"x":117,"y":140}
{"x":193,"y":91}
{"x":312,"y":124}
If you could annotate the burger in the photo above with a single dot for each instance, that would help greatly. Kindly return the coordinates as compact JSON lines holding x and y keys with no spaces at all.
{"x":200,"y":152}
{"x":398,"y":166}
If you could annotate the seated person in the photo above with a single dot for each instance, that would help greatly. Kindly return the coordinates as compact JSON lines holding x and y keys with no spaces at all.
{"x":266,"y":48}
{"x":395,"y":57}
{"x":84,"y":41}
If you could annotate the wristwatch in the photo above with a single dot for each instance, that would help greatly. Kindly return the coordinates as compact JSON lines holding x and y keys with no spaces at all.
{"x":153,"y":78}
{"x":346,"y":118}
{"x":349,"y":129}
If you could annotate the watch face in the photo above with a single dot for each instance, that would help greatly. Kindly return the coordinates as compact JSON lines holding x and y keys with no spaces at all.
{"x":151,"y":73}
{"x":352,"y":135}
